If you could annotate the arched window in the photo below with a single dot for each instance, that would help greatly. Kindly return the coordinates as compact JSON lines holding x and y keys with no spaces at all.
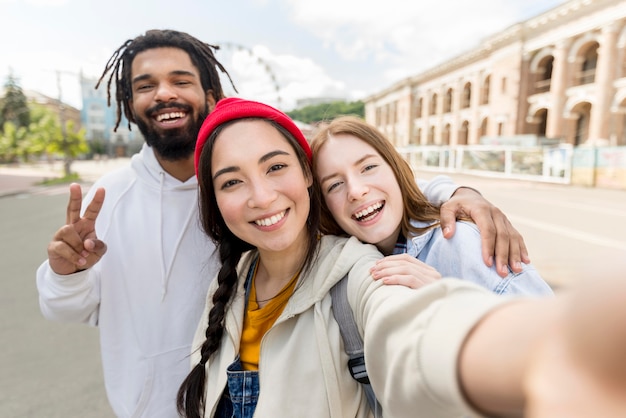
{"x":542,"y":119}
{"x":447,"y":102}
{"x":417,"y":138}
{"x":544,"y":75}
{"x":467,"y":96}
{"x":485,"y":90}
{"x":483,"y":127}
{"x":433,"y":105}
{"x":587,"y":73}
{"x":582,"y":123}
{"x":463,"y":133}
{"x":418,"y":108}
{"x":445,"y":135}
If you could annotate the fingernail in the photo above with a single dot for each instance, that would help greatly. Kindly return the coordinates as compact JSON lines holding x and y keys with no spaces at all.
{"x":490,"y":261}
{"x":82,"y":261}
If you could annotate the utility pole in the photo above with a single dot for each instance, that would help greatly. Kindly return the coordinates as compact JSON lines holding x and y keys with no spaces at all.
{"x":66,"y":155}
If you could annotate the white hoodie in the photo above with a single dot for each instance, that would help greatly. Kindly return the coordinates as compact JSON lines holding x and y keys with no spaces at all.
{"x":147,"y":293}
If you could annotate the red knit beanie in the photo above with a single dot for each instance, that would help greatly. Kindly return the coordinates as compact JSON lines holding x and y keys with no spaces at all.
{"x":233,"y":108}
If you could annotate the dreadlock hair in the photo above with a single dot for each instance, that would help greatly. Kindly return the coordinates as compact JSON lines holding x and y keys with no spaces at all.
{"x":120,"y":63}
{"x":415,"y":205}
{"x":191,"y":395}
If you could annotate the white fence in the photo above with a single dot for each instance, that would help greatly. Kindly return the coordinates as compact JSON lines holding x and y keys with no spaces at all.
{"x":548,"y":163}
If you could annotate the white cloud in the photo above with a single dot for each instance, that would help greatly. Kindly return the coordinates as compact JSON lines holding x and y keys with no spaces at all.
{"x":358,"y":28}
{"x":51,"y":3}
{"x":407,"y":36}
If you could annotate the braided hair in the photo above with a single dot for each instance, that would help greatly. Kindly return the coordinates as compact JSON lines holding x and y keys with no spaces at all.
{"x":120,"y":63}
{"x":191,"y":396}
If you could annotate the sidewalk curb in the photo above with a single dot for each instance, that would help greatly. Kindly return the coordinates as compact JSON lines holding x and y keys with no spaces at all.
{"x":39,"y":188}
{"x":35,"y":174}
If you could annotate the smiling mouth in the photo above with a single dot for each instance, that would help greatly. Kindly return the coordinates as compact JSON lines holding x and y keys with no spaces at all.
{"x":171,"y":116}
{"x":272,"y":220}
{"x":369,"y":213}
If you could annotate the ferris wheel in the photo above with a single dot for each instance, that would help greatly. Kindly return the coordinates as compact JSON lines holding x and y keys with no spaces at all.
{"x":252,"y":75}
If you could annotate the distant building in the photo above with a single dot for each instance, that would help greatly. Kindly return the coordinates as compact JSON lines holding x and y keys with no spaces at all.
{"x":559,"y":76}
{"x":312,"y":101}
{"x":65,"y":111}
{"x":99,"y":121}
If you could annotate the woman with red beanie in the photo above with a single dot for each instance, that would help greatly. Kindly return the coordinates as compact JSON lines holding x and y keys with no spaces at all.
{"x":268,"y":344}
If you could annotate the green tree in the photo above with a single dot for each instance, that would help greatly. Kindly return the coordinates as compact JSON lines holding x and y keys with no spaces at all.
{"x":43,"y":130}
{"x":14,"y":106}
{"x":328,"y":111}
{"x":44,"y":135}
{"x":71,"y":145}
{"x":10,"y":138}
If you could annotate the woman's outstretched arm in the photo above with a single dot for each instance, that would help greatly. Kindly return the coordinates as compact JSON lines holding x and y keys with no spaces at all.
{"x":553,"y":357}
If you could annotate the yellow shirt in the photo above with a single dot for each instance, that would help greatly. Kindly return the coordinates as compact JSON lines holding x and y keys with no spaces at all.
{"x":257,"y":321}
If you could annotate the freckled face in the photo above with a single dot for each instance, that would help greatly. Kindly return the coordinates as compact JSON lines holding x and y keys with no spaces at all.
{"x":360,"y":190}
{"x":260,"y":187}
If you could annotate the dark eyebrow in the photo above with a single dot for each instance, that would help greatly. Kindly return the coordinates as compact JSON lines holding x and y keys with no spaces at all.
{"x":272,"y":154}
{"x":357,"y":162}
{"x":230,"y":169}
{"x":263,"y":159}
{"x":177,"y":72}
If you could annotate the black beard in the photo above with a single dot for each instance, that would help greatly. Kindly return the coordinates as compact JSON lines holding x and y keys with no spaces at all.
{"x":172,"y":144}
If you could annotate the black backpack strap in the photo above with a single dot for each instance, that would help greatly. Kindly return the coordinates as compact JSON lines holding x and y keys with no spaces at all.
{"x":352,"y":341}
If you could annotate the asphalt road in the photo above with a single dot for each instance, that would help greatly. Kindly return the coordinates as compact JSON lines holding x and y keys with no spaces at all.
{"x":47,"y":369}
{"x":572,"y":233}
{"x":53,"y":370}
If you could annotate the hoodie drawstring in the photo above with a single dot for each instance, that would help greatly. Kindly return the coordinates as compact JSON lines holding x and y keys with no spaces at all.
{"x":168,"y":265}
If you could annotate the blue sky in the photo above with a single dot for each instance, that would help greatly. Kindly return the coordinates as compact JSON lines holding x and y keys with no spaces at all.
{"x":314,"y":48}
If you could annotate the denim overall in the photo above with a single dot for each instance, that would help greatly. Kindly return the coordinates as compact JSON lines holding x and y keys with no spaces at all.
{"x":242,"y":390}
{"x":240,"y":397}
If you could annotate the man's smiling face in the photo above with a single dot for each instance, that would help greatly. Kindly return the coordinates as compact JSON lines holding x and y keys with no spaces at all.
{"x":169,"y":103}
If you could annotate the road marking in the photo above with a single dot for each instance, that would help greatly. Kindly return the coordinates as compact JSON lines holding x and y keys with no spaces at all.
{"x":568,"y":232}
{"x":596,"y":208}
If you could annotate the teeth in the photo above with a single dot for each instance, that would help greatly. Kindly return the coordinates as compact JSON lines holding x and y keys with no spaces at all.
{"x":367,"y":211}
{"x":167,"y":116}
{"x":270,"y":221}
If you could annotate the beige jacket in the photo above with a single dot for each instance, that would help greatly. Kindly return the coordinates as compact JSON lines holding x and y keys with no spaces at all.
{"x":411,"y":340}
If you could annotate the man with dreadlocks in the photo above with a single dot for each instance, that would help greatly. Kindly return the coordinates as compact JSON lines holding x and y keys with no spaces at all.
{"x":146,"y":295}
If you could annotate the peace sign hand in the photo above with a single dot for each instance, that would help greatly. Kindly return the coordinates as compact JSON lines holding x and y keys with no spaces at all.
{"x":75,"y":246}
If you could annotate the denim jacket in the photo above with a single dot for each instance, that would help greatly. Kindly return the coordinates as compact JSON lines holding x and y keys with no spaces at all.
{"x":460,"y":256}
